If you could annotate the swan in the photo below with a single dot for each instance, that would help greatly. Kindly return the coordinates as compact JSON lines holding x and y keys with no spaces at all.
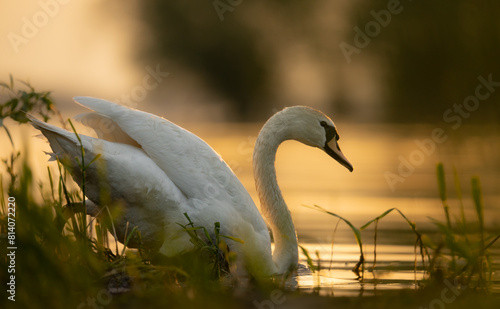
{"x":160,"y":171}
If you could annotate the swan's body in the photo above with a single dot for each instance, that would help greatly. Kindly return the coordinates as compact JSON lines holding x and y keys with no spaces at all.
{"x":160,"y":171}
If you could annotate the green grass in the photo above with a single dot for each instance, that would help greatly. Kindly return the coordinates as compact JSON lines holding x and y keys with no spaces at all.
{"x":215,"y":250}
{"x":465,"y":241}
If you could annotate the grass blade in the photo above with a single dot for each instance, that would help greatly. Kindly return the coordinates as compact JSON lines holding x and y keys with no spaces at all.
{"x":10,"y":136}
{"x":309,"y":260}
{"x":357,"y":235}
{"x":413,"y":226}
{"x":458,"y":189}
{"x":442,"y":191}
{"x":233,"y":238}
{"x":441,"y":181}
{"x":478,"y":201}
{"x":377,"y":218}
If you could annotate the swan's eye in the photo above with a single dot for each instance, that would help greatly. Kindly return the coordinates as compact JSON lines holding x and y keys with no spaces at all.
{"x":330,"y":131}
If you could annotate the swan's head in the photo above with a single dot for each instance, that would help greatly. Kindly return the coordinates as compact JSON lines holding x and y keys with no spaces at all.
{"x":315,"y":129}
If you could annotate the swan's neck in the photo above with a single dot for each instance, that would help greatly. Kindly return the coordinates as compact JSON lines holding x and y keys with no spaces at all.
{"x":273,"y":206}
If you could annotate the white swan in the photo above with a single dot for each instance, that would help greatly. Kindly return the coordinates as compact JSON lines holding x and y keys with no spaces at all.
{"x":159,"y":171}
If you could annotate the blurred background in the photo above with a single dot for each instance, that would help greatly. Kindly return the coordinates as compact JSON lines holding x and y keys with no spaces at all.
{"x":237,"y":60}
{"x":388,"y":73}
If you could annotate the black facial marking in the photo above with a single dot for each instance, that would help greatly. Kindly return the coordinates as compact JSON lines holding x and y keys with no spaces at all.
{"x":330,"y":131}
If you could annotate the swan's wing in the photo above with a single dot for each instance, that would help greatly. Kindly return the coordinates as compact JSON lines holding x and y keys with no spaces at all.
{"x":105,"y":128}
{"x":214,"y":192}
{"x":189,"y":162}
{"x":127,"y":175}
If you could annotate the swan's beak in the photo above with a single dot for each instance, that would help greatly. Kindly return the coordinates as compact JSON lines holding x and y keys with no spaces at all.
{"x":333,"y":150}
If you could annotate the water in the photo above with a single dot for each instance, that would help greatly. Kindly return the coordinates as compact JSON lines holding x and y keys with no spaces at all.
{"x":394,"y":269}
{"x":308,"y":176}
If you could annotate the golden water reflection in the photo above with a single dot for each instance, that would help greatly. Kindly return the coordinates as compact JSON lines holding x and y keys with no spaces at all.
{"x":394,"y":270}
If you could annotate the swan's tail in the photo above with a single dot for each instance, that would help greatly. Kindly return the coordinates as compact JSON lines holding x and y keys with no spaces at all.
{"x":61,"y":141}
